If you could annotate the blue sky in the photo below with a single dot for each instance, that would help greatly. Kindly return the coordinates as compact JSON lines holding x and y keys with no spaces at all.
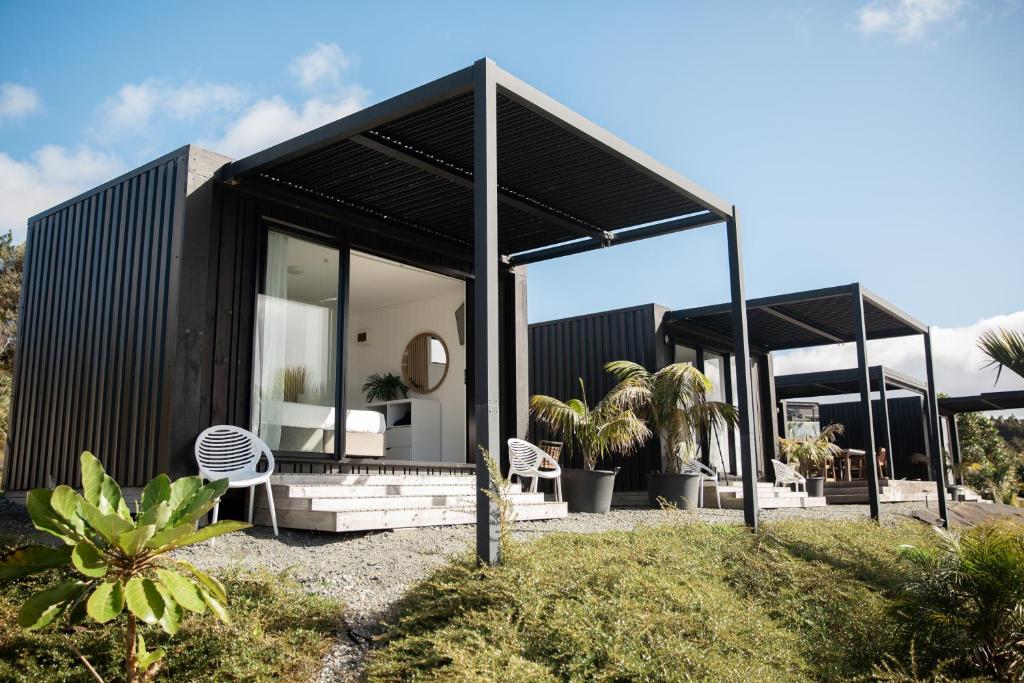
{"x":874,"y":141}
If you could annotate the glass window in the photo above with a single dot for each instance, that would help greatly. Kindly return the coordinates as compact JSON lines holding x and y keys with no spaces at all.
{"x":296,"y":347}
{"x":718,"y":438}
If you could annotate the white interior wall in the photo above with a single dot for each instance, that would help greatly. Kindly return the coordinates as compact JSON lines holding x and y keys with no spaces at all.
{"x":390,"y":328}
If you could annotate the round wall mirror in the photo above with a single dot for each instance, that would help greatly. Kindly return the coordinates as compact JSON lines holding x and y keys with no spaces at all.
{"x":425,"y":362}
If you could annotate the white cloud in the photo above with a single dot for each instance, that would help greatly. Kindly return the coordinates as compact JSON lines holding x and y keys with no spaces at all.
{"x":272,"y":120}
{"x":51,"y":175}
{"x":323,"y":66}
{"x":17,"y":101}
{"x":136,"y":104}
{"x":959,"y":363}
{"x":908,"y":20}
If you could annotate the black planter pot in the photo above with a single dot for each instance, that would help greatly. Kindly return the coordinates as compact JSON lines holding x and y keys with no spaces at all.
{"x":816,"y":487}
{"x":681,"y":490}
{"x":588,"y":490}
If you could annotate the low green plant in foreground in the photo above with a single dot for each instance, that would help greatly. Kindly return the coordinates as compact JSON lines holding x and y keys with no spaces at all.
{"x":120,"y":560}
{"x":276,"y":632}
{"x":965,"y":600}
{"x":800,"y":600}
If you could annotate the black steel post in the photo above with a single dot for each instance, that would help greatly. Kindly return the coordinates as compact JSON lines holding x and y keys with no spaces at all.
{"x":485,"y":303}
{"x":883,"y":397}
{"x":870,"y":458}
{"x":934,"y":442}
{"x":954,"y":446}
{"x":770,"y":411}
{"x":742,"y":355}
{"x":341,"y":350}
{"x":727,"y":361}
{"x":705,"y":441}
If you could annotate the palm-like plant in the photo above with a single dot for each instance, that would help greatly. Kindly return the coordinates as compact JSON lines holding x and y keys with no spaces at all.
{"x":1005,"y":348}
{"x":674,"y":400}
{"x":384,"y":387}
{"x":594,"y":432}
{"x":965,"y":599}
{"x":812,"y":452}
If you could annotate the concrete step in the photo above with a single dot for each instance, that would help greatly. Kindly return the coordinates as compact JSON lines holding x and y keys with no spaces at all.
{"x":773,"y":503}
{"x":366,"y":520}
{"x":373,"y":479}
{"x":385,"y":502}
{"x":371,"y":491}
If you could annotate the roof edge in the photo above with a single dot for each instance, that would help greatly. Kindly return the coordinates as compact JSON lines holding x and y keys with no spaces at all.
{"x":182,"y":151}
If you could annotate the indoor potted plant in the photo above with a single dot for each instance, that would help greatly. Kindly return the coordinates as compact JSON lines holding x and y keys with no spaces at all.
{"x":674,"y":401}
{"x":593,"y":433}
{"x":811,"y":454}
{"x":380,"y":387}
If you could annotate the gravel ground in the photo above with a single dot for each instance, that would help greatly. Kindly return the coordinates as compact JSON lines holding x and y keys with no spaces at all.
{"x":370,"y":571}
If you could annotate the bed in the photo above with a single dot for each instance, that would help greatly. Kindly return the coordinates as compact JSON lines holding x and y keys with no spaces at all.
{"x":308,"y":427}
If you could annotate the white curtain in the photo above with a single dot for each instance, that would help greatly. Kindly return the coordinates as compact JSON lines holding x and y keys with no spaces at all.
{"x":271,"y":342}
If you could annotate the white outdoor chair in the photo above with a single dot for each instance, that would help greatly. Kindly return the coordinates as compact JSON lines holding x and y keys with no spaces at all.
{"x":787,"y":474}
{"x":697,"y":467}
{"x":233,"y":453}
{"x":524,"y":461}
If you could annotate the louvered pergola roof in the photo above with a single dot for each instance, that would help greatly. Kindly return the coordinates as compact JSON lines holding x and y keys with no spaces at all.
{"x":844,"y":381}
{"x":564,"y":184}
{"x":801,"y":319}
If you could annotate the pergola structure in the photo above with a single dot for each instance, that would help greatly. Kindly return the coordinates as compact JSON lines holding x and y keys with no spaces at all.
{"x":482,"y":166}
{"x":847,"y":381}
{"x":833,"y":315}
{"x":952,"y":406}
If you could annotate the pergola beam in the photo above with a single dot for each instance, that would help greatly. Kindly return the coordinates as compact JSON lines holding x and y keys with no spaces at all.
{"x":626,"y":236}
{"x":453,"y":174}
{"x":792,"y":320}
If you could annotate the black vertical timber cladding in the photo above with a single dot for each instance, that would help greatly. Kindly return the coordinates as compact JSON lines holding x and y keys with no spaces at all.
{"x":137,"y":317}
{"x":906,"y":420}
{"x":563,"y":351}
{"x":91,"y":360}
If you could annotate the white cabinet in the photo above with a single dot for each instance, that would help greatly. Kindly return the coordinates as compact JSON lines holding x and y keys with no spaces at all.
{"x":413,"y":429}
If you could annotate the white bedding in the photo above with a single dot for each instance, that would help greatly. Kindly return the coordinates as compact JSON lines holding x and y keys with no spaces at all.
{"x":365,"y":421}
{"x":322,"y":417}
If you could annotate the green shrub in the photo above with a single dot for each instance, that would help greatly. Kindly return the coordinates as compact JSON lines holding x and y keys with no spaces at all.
{"x":797,"y":602}
{"x":964,"y":600}
{"x":276,"y":632}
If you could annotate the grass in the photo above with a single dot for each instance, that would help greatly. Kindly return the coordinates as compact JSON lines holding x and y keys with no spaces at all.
{"x":277,"y":632}
{"x":798,"y":601}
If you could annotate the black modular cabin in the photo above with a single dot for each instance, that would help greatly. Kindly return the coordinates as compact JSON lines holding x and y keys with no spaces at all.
{"x":653,"y":335}
{"x":143,"y":299}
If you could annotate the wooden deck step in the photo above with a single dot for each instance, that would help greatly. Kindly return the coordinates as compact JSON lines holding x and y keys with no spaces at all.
{"x":386,"y":502}
{"x":376,"y":479}
{"x":778,"y":502}
{"x":367,"y":520}
{"x":371,"y":491}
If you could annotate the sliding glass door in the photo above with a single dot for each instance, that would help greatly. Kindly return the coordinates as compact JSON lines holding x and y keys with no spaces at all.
{"x":296,"y":346}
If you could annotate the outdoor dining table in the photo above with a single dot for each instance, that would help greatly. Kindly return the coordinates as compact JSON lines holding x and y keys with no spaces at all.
{"x":843,"y":459}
